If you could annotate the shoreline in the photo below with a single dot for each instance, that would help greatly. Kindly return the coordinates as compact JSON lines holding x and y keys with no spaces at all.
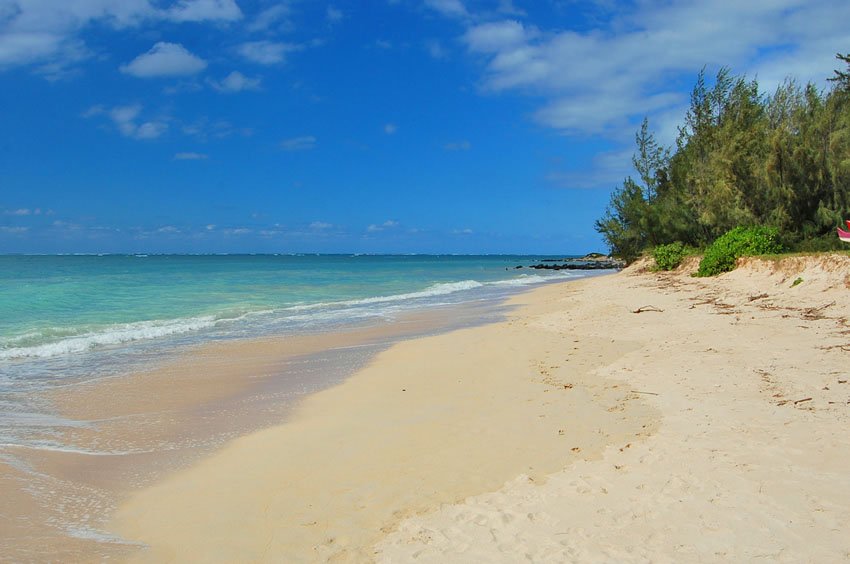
{"x":632,"y":417}
{"x":575,"y":430}
{"x":428,"y":421}
{"x":136,"y":428}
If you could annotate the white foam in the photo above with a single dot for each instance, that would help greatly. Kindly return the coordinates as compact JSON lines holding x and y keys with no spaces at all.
{"x":434,"y":290}
{"x":430,"y":291}
{"x":526,"y":279}
{"x":317,"y":312}
{"x":113,"y":335}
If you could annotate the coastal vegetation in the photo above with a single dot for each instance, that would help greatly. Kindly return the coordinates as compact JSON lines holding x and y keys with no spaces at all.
{"x":670,"y":256}
{"x":721,"y":255}
{"x":750,"y":173}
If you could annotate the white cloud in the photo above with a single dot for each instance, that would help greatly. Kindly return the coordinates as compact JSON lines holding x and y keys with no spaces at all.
{"x":320,"y":225}
{"x":494,"y":37}
{"x":458,"y":146}
{"x":168,"y":229}
{"x":164,"y":59}
{"x":204,"y":129}
{"x":383,"y":44}
{"x":27,"y":47}
{"x":603,"y":80}
{"x":266,"y":52}
{"x":465,"y":231}
{"x":274,"y":16}
{"x":20,"y":212}
{"x":390,"y":128}
{"x":190,"y":156}
{"x":13,"y":230}
{"x":204,"y":10}
{"x":150,"y":130}
{"x":46,"y":33}
{"x":304,"y":143}
{"x":236,"y":82}
{"x":448,"y":8}
{"x":388,"y":224}
{"x":125,"y":118}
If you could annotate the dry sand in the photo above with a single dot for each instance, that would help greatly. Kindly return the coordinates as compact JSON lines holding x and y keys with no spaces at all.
{"x":710,"y":427}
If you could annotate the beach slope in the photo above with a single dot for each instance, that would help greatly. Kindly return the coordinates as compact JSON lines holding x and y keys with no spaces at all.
{"x":628,"y":417}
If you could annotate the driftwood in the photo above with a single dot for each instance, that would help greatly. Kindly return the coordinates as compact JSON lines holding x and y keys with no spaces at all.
{"x":795,"y":402}
{"x":640,"y":392}
{"x":647,"y":308}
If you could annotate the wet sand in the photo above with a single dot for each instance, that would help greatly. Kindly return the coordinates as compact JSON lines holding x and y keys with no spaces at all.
{"x":133,"y":429}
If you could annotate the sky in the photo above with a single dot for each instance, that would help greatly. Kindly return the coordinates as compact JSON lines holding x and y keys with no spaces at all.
{"x":378,"y":126}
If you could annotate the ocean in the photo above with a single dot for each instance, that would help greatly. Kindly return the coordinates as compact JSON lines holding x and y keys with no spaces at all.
{"x":71,"y":318}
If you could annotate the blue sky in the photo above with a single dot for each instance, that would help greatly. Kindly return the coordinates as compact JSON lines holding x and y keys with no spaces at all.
{"x":379,"y":126}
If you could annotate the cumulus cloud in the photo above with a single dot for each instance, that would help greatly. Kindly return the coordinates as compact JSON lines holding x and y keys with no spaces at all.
{"x":267,"y":52}
{"x":189,"y":156}
{"x":164,"y":60}
{"x":44,"y":33}
{"x":236,"y":82}
{"x":126,"y":120}
{"x":303,"y":143}
{"x":602,"y":80}
{"x":48,"y":33}
{"x":204,"y":10}
{"x":448,"y":8}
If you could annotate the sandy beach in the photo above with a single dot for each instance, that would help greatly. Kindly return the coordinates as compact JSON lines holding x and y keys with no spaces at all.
{"x":634,"y":417}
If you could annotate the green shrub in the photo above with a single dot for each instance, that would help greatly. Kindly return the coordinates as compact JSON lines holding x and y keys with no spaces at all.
{"x":739,"y":242}
{"x":668,"y":257}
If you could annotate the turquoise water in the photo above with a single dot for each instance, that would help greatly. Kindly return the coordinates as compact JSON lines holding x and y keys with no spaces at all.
{"x":60,"y":305}
{"x":66,"y":319}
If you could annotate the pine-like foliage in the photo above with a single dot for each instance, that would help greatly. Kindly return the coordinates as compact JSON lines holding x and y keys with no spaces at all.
{"x":742,"y":158}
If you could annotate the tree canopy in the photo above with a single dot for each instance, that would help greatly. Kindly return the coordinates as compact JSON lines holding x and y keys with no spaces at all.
{"x":742,"y":158}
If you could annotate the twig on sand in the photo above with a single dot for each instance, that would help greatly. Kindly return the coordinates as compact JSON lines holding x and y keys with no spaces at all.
{"x":814,"y":313}
{"x":640,"y":392}
{"x":802,"y":400}
{"x":646,"y":308}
